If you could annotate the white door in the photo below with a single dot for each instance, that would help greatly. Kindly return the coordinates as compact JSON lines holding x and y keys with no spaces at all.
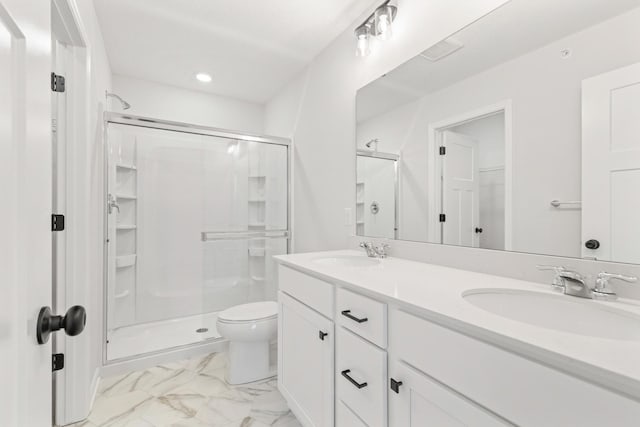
{"x":305,"y":362}
{"x":460,"y":190}
{"x":611,"y":164}
{"x":416,"y":400}
{"x":25,"y":186}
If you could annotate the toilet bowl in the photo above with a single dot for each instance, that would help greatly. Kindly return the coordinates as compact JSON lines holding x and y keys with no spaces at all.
{"x":250,"y":328}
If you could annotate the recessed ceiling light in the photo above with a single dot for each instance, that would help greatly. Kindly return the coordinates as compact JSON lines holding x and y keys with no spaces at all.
{"x":203,"y":77}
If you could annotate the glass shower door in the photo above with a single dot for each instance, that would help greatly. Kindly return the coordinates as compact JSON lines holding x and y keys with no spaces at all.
{"x":194,"y":221}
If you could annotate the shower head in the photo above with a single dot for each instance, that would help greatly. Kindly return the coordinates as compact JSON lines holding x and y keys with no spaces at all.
{"x":373,"y":141}
{"x":125,"y":105}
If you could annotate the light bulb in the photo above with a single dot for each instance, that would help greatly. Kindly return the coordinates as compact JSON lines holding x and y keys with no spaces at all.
{"x":382,"y":19}
{"x":363,"y":45}
{"x":384,"y":27}
{"x":362,"y":34}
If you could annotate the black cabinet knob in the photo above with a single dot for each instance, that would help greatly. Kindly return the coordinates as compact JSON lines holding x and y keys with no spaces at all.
{"x":72,"y":322}
{"x":592,"y":244}
{"x":478,"y":230}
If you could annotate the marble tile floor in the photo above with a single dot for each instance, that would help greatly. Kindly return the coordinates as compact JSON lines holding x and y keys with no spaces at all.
{"x":191,"y":392}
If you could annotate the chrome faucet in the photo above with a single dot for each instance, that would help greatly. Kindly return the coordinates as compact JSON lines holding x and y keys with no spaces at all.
{"x":375,"y":251}
{"x":575,"y":284}
{"x":368,"y":248}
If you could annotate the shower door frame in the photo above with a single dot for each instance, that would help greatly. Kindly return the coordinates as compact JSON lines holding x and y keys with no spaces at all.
{"x":168,"y":125}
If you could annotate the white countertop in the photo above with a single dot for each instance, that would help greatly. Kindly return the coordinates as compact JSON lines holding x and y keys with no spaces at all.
{"x":435,"y":292}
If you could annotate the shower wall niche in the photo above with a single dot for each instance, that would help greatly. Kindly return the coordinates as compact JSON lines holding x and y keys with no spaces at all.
{"x":195,"y":217}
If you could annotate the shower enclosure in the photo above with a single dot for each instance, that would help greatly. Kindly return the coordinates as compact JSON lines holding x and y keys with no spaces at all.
{"x":195,"y":215}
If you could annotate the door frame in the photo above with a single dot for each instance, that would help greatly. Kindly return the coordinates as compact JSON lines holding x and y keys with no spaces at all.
{"x":72,"y":276}
{"x":434,"y":134}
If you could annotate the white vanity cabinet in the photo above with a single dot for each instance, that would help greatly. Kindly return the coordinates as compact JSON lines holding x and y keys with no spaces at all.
{"x":305,"y":361}
{"x":384,"y":363}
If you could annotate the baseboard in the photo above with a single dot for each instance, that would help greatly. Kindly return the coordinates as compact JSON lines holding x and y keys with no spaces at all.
{"x":95,"y":384}
{"x":147,"y":361}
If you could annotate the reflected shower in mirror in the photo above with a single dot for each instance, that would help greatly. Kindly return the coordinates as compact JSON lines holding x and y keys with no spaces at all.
{"x":376,"y":198}
{"x":510,"y":137}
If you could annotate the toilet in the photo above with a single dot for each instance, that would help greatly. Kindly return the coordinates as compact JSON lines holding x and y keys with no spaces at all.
{"x":250,"y":328}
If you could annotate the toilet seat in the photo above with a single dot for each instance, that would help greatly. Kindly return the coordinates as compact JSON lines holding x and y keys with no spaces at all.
{"x":251,"y":312}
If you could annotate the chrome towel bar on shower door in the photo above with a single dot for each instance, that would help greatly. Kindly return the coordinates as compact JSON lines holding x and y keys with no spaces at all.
{"x":243,"y":235}
{"x":558,"y":203}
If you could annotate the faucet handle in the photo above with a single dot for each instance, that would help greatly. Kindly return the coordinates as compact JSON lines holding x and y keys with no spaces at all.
{"x":554,"y":268}
{"x":603,"y":288}
{"x":558,"y":283}
{"x":369,"y":249}
{"x":604,"y":276}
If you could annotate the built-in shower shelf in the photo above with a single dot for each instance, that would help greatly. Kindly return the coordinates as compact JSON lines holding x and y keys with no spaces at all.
{"x":126,"y":197}
{"x":256,"y":252}
{"x":126,"y":167}
{"x":257,"y":200}
{"x":359,"y":222}
{"x":125,"y":261}
{"x":359,"y":203}
{"x":257,"y":176}
{"x":257,"y":225}
{"x":126,"y":227}
{"x":122,"y":294}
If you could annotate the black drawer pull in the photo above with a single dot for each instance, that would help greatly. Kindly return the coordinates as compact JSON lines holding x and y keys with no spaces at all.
{"x":347,"y":313}
{"x":321,"y":335}
{"x":345,"y":374}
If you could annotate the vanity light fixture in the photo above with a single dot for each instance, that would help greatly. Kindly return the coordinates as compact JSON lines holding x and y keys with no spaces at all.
{"x":203,"y":77}
{"x":378,"y":24}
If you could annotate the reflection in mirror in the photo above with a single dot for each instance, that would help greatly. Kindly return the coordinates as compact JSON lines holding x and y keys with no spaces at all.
{"x":376,"y":199}
{"x":512,"y":138}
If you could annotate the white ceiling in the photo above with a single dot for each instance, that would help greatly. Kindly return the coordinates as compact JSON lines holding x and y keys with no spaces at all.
{"x":518,"y":27}
{"x":252,"y":48}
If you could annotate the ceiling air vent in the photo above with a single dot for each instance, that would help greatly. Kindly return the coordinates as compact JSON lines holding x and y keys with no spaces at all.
{"x":441,"y":50}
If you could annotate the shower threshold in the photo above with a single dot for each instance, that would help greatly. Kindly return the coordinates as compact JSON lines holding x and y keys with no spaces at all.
{"x":136,"y":340}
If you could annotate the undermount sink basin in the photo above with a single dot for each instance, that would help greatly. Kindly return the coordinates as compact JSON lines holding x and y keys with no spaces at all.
{"x":558,"y":312}
{"x":348,"y":261}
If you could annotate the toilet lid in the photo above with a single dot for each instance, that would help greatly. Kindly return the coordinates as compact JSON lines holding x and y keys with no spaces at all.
{"x":251,"y":311}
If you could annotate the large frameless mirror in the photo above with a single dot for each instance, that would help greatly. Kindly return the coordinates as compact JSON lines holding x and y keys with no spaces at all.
{"x":520,"y":132}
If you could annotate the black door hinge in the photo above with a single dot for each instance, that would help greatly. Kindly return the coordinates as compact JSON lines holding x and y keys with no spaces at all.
{"x":57,"y":222}
{"x":57,"y":361}
{"x":57,"y":83}
{"x":443,"y":218}
{"x":443,"y":150}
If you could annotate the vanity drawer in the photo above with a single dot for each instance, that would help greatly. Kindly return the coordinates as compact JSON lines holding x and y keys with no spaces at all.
{"x":315,"y":293}
{"x":522,"y":391}
{"x":364,"y":316}
{"x":361,"y":377}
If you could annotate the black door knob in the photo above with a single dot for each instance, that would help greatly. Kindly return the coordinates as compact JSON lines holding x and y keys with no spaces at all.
{"x":72,"y":322}
{"x":592,"y":244}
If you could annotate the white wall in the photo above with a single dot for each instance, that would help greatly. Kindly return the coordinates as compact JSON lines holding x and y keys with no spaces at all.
{"x":324,"y":127}
{"x":156,"y":100}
